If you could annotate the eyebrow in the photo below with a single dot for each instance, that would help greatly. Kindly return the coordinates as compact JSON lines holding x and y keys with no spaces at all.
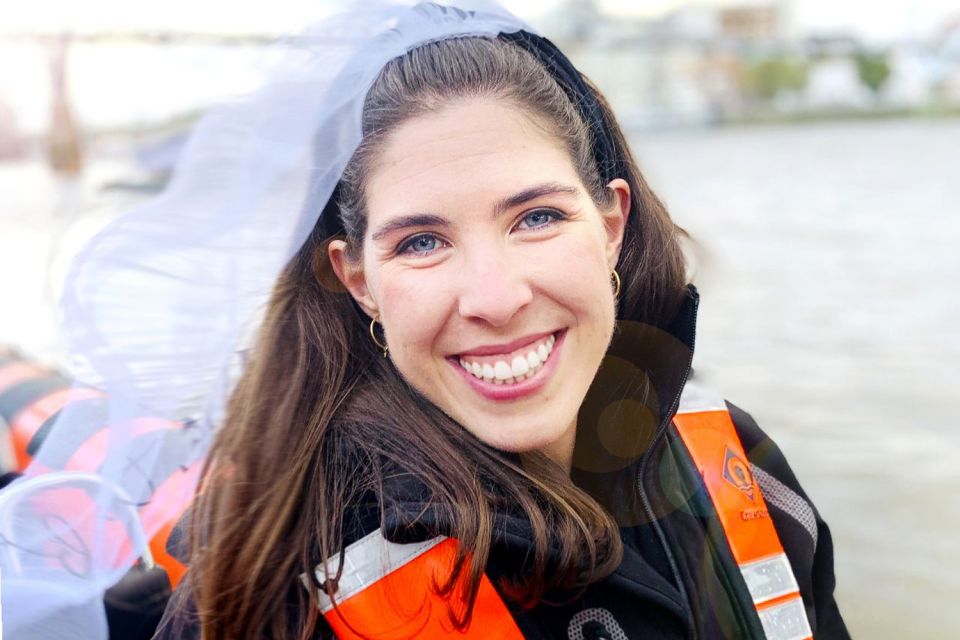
{"x":404,"y":222}
{"x":515,"y":200}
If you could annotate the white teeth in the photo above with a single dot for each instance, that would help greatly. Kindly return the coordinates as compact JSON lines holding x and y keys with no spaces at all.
{"x":519,"y":366}
{"x":533,"y":360}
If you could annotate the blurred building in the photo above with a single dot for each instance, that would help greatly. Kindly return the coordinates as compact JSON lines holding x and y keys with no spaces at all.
{"x":947,"y":49}
{"x":702,"y":64}
{"x":686,"y":67}
{"x":758,"y":25}
{"x":913,"y":75}
{"x":834,"y":84}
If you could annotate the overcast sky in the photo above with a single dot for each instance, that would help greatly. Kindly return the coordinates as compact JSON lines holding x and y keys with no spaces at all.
{"x":875,"y":19}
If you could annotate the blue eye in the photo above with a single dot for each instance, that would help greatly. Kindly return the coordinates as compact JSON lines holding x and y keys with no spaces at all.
{"x":422,"y":244}
{"x":541,"y":218}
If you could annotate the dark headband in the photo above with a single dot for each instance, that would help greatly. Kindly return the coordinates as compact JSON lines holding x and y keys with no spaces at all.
{"x":610,"y":163}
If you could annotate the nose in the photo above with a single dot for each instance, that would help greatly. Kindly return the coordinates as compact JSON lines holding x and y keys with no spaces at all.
{"x":493,"y":288}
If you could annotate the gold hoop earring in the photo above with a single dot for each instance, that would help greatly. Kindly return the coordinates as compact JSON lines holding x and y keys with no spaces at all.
{"x":373,"y":335}
{"x":616,"y":283}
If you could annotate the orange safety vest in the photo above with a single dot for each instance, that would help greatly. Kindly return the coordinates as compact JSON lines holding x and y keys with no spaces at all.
{"x":385,"y":589}
{"x":706,"y":428}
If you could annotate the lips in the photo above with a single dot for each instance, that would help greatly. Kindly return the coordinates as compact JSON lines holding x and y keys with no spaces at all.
{"x":507,"y":347}
{"x":511,"y":367}
{"x":511,"y":388}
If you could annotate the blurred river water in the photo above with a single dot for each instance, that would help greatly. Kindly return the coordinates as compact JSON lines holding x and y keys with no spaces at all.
{"x":828,"y":269}
{"x":827,"y":264}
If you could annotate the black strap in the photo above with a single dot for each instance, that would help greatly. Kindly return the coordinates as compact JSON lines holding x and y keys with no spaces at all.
{"x":610,"y":163}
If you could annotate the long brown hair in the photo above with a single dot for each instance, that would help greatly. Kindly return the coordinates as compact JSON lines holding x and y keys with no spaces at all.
{"x":319,"y":414}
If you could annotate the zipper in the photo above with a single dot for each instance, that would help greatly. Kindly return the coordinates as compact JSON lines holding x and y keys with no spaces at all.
{"x":647,"y":507}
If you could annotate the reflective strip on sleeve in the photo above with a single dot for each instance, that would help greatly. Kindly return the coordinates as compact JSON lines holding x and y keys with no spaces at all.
{"x":386,"y":591}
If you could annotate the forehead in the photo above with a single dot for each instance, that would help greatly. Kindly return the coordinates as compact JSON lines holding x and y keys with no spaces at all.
{"x":472,"y":151}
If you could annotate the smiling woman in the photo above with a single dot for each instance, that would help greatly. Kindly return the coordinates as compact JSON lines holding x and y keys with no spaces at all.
{"x":493,"y":473}
{"x":516,"y":257}
{"x":468,"y":409}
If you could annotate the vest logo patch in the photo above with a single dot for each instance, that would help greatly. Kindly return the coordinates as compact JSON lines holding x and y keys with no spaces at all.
{"x":737,"y":473}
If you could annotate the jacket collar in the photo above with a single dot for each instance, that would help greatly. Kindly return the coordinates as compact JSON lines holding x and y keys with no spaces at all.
{"x":632,"y":400}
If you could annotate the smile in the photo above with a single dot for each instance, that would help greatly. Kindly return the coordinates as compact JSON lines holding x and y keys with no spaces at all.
{"x":510,"y":368}
{"x":517,"y":373}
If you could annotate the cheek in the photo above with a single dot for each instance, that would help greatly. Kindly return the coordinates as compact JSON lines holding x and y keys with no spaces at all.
{"x":580,"y":284}
{"x":414,"y":306}
{"x":575,"y":272}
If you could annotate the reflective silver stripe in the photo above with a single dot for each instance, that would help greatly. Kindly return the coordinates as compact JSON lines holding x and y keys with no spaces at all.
{"x":366,"y":561}
{"x":696,"y":398}
{"x":785,"y":621}
{"x":769,"y":578}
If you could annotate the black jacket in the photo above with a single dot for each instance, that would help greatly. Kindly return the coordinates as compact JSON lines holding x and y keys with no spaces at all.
{"x":678,"y":578}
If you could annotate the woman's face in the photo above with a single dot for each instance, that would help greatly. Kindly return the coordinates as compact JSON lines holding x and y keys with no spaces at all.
{"x":489,"y":267}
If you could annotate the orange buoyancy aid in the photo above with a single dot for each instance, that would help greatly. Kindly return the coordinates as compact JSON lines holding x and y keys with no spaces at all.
{"x":706,"y":428}
{"x":386,"y":589}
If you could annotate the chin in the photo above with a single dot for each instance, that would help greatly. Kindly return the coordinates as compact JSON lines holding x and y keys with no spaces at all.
{"x":519,"y":440}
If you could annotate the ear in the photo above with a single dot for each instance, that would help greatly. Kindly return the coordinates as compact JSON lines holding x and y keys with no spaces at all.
{"x":351,"y":275}
{"x":615,"y":219}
